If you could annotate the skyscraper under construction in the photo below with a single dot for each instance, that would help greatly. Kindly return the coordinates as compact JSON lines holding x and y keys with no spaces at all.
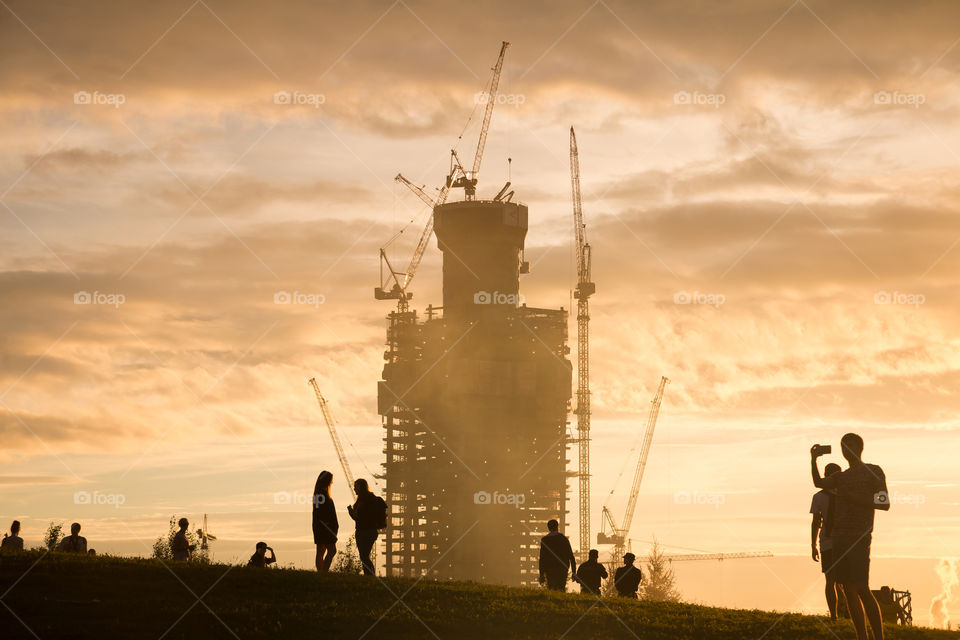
{"x":474,"y":402}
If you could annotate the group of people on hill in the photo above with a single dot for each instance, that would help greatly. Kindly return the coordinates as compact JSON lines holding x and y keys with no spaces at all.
{"x":73,"y":543}
{"x":181,"y":549}
{"x":557,"y":564}
{"x":843,"y":512}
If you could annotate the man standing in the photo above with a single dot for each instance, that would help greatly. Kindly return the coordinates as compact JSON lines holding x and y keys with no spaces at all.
{"x":556,"y":556}
{"x":591,"y":573}
{"x":861,"y":490}
{"x":823,"y":509}
{"x":181,"y":547}
{"x":627,"y":579}
{"x":370,"y":514}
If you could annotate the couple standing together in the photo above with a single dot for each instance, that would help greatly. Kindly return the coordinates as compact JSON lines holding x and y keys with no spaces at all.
{"x":369,"y":512}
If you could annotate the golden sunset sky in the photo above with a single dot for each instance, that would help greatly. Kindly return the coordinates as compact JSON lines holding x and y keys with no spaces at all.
{"x":789,"y":168}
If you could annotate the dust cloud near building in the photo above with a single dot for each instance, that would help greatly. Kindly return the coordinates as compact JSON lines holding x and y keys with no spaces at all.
{"x":474,"y":402}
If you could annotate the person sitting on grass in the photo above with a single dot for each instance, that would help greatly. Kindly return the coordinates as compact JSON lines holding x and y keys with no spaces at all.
{"x":12,"y":542}
{"x":181,"y":547}
{"x":73,"y":543}
{"x":259,"y":557}
{"x":627,"y":579}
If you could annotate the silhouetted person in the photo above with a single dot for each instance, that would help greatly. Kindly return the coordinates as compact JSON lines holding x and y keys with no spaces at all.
{"x":325,"y":523}
{"x":181,"y":547}
{"x":259,"y":557}
{"x":591,"y":573}
{"x":861,"y":490}
{"x":556,"y":558}
{"x":92,"y":552}
{"x":370,"y":514}
{"x":823,"y":508}
{"x":13,"y":541}
{"x":73,"y":543}
{"x":627,"y":579}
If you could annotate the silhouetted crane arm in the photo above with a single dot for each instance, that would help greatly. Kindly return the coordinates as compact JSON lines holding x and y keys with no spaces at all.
{"x":488,"y":112}
{"x":644,"y":453}
{"x":333,"y":433}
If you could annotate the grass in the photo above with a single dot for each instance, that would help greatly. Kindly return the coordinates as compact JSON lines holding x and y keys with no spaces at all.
{"x":50,"y":596}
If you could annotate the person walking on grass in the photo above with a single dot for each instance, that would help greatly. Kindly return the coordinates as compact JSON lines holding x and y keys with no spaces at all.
{"x":591,"y":574}
{"x":627,"y":579}
{"x":370,"y":514}
{"x":556,"y":558}
{"x":12,"y":542}
{"x":181,"y":547}
{"x":861,"y":491}
{"x":73,"y":543}
{"x":259,"y":557}
{"x":824,"y":509}
{"x":325,"y":523}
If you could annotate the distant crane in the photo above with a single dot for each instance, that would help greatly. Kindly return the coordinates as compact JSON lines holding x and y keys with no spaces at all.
{"x":458,"y":177}
{"x":683,"y":557}
{"x":618,"y":535}
{"x":205,"y":535}
{"x":333,"y":434}
{"x":585,"y":289}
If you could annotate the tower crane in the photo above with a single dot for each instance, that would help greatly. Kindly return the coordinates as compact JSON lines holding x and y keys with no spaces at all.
{"x":333,"y":433}
{"x":618,"y":535}
{"x":458,"y":177}
{"x":682,"y":557}
{"x":585,"y":289}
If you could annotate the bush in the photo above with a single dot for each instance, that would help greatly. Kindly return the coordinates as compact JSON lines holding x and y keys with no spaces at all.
{"x":347,"y":559}
{"x":53,"y":535}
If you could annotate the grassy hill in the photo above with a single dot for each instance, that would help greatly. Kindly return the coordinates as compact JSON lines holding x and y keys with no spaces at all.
{"x":59,"y":596}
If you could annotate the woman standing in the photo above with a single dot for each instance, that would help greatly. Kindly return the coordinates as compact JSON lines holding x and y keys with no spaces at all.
{"x":325,"y":525}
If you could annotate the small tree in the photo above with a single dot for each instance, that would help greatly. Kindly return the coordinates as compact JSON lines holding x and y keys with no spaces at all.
{"x":53,"y":535}
{"x":348,"y":560}
{"x":163,"y":545}
{"x":659,"y":583}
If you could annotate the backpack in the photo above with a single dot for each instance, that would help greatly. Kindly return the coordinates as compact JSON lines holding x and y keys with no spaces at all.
{"x":381,"y":513}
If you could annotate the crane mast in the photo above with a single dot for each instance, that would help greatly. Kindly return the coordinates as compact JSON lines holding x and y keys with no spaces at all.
{"x":585,"y":288}
{"x":331,"y":426}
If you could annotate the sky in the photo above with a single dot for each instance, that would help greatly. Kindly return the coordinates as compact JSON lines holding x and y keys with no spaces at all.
{"x":770,"y":191}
